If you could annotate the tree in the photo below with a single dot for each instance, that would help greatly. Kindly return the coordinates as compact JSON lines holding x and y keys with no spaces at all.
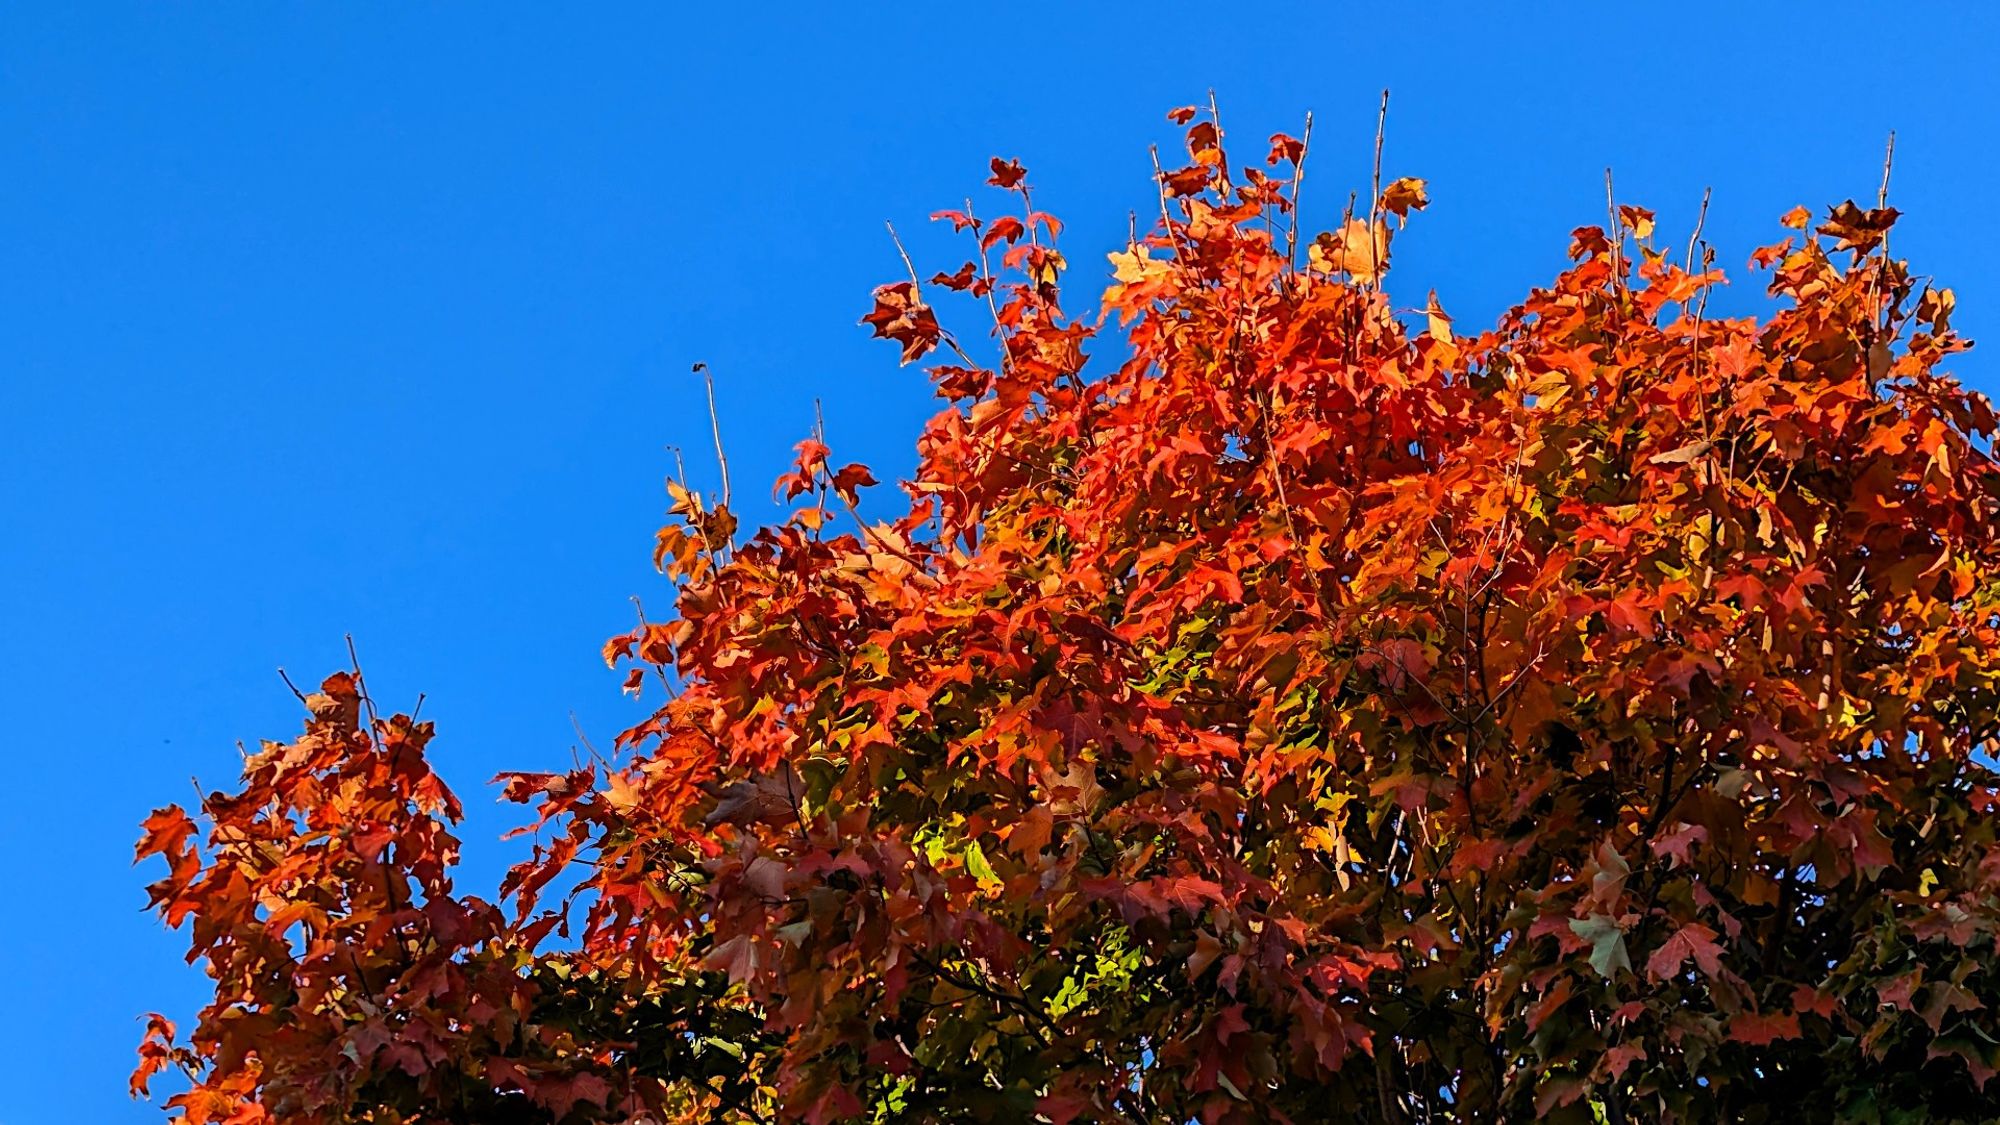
{"x":1308,"y":716}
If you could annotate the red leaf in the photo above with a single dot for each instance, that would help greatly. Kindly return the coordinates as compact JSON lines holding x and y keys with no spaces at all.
{"x":1692,"y":940}
{"x":901,"y":315}
{"x":1005,"y":227}
{"x":167,"y":831}
{"x":1007,"y":173}
{"x":1759,"y":1030}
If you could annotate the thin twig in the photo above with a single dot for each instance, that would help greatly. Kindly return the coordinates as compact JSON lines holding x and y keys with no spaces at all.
{"x":1222,"y":154}
{"x":905,"y":254}
{"x":1381,"y":125}
{"x":361,"y":684}
{"x":715,"y":427}
{"x":295,"y":688}
{"x":1888,"y":160}
{"x":917,"y":287}
{"x":820,"y":485}
{"x":659,"y":670}
{"x":1298,"y":181}
{"x":577,"y":726}
{"x":1881,"y":201}
{"x":1700,"y":218}
{"x":1166,"y":222}
{"x":1694,"y":240}
{"x":1617,"y":233}
{"x":1285,"y":505}
{"x":1377,"y":242}
{"x":985,"y":267}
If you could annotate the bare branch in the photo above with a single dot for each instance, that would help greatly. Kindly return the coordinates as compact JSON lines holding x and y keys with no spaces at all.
{"x":1298,"y":181}
{"x":1381,"y":125}
{"x":905,"y":254}
{"x":1888,"y":161}
{"x":1616,"y":231}
{"x":715,"y":427}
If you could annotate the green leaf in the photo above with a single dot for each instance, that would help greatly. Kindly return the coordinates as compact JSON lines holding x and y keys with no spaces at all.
{"x":975,"y":863}
{"x":1607,"y":943}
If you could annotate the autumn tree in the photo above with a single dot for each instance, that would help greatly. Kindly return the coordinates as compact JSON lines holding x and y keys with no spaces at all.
{"x":1302,"y":711}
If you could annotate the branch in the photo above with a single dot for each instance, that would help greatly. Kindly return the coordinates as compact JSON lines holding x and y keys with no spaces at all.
{"x":1298,"y":181}
{"x":715,"y":427}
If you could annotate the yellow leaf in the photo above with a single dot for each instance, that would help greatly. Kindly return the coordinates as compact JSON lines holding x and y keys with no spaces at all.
{"x":1045,"y":271}
{"x":1354,"y":249}
{"x":1404,"y":196}
{"x":1133,"y":266}
{"x":620,"y":794}
{"x":1437,"y":323}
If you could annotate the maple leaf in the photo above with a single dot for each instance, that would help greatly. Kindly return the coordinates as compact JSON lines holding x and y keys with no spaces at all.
{"x":562,"y":1094}
{"x":1762,"y":1030}
{"x":1855,"y":229}
{"x":156,"y":1053}
{"x":1404,"y":196}
{"x":1606,"y":939}
{"x":1621,"y":1057}
{"x":1692,"y":941}
{"x":167,"y":832}
{"x":1679,"y":843}
{"x":735,"y":957}
{"x":766,"y":798}
{"x":901,"y":315}
{"x":1436,"y":322}
{"x":1192,"y":180}
{"x":959,"y":220}
{"x":1946,"y":997}
{"x":1638,"y":220}
{"x":1359,"y":248}
{"x":850,"y":480}
{"x":1551,"y":1002}
{"x":1007,"y":228}
{"x":1007,"y":173}
{"x":1974,"y":1051}
{"x":1132,"y":267}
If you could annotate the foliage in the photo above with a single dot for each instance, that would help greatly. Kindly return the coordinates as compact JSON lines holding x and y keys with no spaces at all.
{"x":1311,"y":716}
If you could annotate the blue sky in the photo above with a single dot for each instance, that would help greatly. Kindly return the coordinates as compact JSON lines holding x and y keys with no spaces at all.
{"x":329,"y":319}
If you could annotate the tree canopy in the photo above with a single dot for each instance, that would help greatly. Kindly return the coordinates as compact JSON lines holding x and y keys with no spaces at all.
{"x":1305,"y":710}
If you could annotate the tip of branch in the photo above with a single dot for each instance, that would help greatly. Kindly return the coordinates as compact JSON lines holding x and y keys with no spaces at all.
{"x":1888,"y":161}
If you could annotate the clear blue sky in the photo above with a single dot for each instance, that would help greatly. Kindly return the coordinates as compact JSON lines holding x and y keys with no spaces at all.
{"x":318,"y":319}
